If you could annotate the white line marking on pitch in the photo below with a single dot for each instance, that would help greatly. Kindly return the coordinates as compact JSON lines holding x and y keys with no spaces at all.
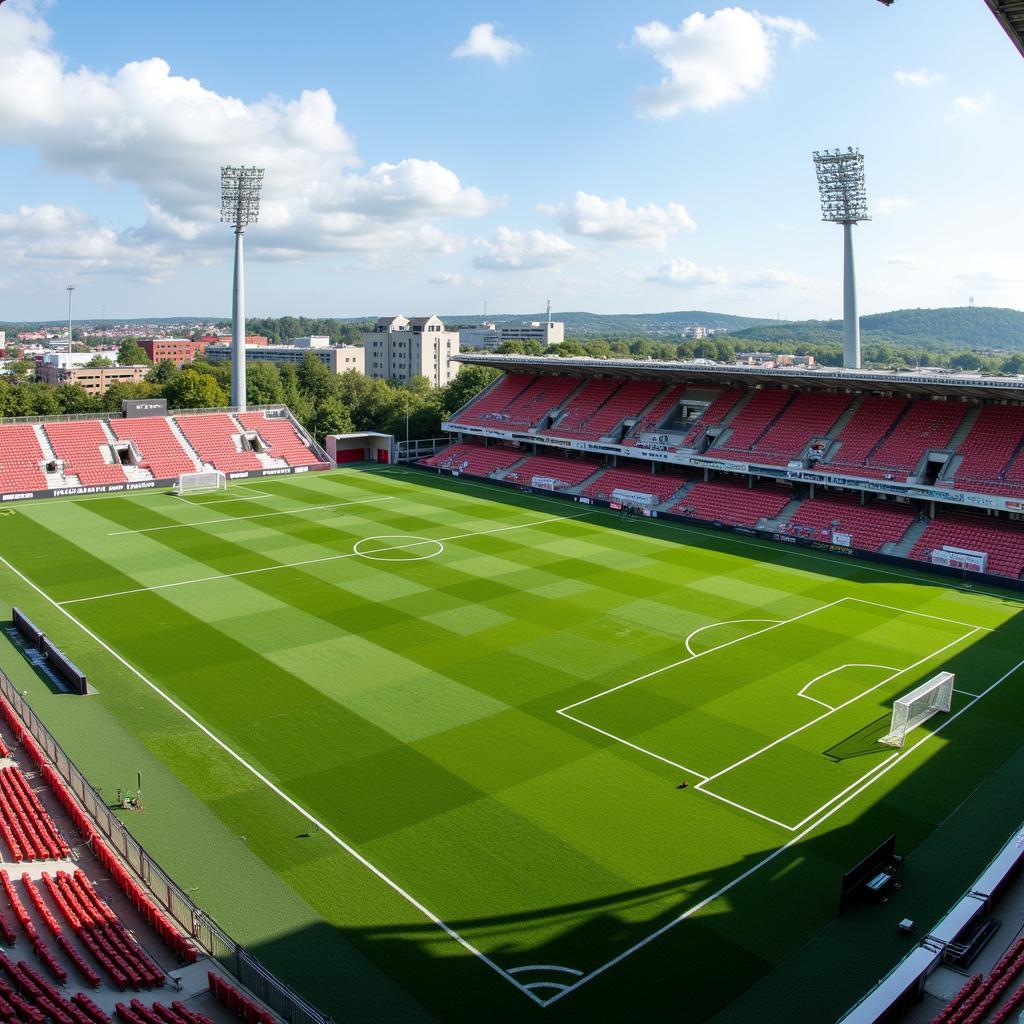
{"x":297,"y":807}
{"x":712,"y":625}
{"x":966,"y":693}
{"x":242,"y":519}
{"x":833,"y":671}
{"x":799,"y":837}
{"x":313,"y":561}
{"x":544,"y":967}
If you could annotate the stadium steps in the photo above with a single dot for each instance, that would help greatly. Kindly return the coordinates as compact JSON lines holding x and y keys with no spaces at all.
{"x":909,"y":539}
{"x":53,"y":480}
{"x":723,"y":425}
{"x":785,"y":515}
{"x":677,"y":497}
{"x":186,"y":444}
{"x":949,"y":471}
{"x":560,"y":410}
{"x":631,"y":421}
{"x":845,"y":418}
{"x":966,"y":426}
{"x":500,"y":474}
{"x":580,"y":488}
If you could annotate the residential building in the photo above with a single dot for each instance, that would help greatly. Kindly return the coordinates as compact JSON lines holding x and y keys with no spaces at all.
{"x":94,"y":379}
{"x":489,"y":334}
{"x":337,"y":358}
{"x":400,"y":348}
{"x":178,"y":350}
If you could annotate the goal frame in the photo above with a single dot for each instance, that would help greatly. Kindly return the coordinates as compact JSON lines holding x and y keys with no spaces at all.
{"x":205,"y":481}
{"x":915,"y":708}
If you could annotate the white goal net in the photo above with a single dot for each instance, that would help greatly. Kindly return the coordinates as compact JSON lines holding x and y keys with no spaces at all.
{"x":918,"y":706}
{"x":201,"y":483}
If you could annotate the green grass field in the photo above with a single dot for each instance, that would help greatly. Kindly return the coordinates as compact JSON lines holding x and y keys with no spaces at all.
{"x":483,"y":702}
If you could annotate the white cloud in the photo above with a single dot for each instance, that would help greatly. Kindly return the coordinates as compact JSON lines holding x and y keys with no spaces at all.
{"x":451,"y":280}
{"x":920,"y":79}
{"x":771,"y":278}
{"x":884,"y":205}
{"x":973,"y":104}
{"x":903,"y":260}
{"x":521,"y":250}
{"x":484,"y":41}
{"x":682,"y":272}
{"x":65,"y":240}
{"x":988,"y":276}
{"x":712,"y":60}
{"x":168,"y":136}
{"x":613,"y":220}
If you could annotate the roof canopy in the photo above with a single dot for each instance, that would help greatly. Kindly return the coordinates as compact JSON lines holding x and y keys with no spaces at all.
{"x":921,"y":382}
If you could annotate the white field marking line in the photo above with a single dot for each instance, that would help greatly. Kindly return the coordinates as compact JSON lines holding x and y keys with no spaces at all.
{"x":224,"y":501}
{"x":642,"y":750}
{"x":257,"y":774}
{"x":702,"y":654}
{"x":966,"y":693}
{"x":690,"y":911}
{"x":545,"y":967}
{"x":832,"y":671}
{"x":838,"y":707}
{"x":731,"y":538}
{"x":311,"y":561}
{"x":558,"y":985}
{"x":741,"y":807}
{"x":240,"y":519}
{"x":712,"y":625}
{"x":378,"y":556}
{"x":924,"y":615}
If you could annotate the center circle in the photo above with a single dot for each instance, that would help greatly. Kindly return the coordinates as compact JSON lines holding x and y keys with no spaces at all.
{"x":402,"y":548}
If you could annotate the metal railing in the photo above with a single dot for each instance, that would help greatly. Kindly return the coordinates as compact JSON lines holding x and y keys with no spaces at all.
{"x":202,"y":929}
{"x":410,"y":451}
{"x":73,"y":417}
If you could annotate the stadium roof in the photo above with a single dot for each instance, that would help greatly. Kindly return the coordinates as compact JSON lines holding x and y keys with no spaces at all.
{"x":1010,"y":14}
{"x":914,"y":382}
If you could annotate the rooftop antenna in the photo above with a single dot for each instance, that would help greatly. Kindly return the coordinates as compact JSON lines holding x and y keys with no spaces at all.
{"x":69,"y":288}
{"x":844,"y":201}
{"x":239,"y":206}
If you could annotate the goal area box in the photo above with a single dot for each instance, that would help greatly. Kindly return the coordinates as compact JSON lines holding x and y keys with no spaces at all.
{"x":918,"y":706}
{"x":201,"y":483}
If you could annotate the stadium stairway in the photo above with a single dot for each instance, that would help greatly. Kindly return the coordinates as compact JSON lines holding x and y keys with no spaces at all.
{"x":700,"y":428}
{"x":909,"y":539}
{"x":784,"y":516}
{"x":185,"y":443}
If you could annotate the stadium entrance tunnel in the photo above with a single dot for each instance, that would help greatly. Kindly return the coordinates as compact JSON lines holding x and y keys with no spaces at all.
{"x":397,"y":547}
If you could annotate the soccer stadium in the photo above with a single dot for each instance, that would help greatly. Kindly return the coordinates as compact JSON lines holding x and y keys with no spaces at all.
{"x":653,"y":690}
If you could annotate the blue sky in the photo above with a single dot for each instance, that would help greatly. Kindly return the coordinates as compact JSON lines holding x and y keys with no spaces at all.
{"x":611,"y":157}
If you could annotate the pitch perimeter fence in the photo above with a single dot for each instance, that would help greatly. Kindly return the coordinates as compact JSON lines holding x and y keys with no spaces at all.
{"x":203,"y":930}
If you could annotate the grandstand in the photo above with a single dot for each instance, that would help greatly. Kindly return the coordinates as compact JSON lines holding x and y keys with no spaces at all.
{"x":110,"y":452}
{"x":800,"y":455}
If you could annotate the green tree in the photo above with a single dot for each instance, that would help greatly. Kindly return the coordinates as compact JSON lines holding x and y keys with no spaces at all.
{"x":99,"y":361}
{"x":330,"y":417}
{"x":130,"y":354}
{"x":164,"y":372}
{"x":263,"y":384}
{"x":194,"y":390}
{"x":468,"y":383}
{"x":121,"y":391}
{"x":315,"y":380}
{"x":72,"y":398}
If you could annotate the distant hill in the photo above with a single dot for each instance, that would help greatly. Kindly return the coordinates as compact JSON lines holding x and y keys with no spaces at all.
{"x":981,"y":328}
{"x":650,"y":325}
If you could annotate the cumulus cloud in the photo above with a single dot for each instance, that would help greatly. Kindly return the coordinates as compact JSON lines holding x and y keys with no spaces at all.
{"x":919,"y":79}
{"x":63,"y":238}
{"x":484,"y":41}
{"x":684,"y":273}
{"x":521,"y":250}
{"x":168,"y":136}
{"x":884,"y":205}
{"x":712,"y":60}
{"x":613,"y":220}
{"x":973,"y":104}
{"x":988,"y":276}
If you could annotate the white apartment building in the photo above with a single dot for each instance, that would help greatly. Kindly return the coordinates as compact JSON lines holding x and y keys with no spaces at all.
{"x":489,"y":335}
{"x":400,"y":348}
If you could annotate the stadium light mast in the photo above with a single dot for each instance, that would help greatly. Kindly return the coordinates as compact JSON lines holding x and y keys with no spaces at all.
{"x":240,"y":206}
{"x":69,"y":289}
{"x":844,"y":201}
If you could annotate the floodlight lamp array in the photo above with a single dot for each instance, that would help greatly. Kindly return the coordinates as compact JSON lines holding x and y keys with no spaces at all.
{"x":240,"y":195}
{"x":841,"y":187}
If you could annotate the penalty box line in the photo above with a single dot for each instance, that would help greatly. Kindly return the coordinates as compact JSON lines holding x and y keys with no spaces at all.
{"x":897,"y":758}
{"x":702,"y":785}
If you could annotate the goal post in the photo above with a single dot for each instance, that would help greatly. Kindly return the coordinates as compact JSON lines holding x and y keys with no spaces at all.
{"x":916,"y":707}
{"x":201,"y":483}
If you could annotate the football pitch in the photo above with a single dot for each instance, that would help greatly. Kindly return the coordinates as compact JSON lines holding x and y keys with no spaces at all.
{"x":454,"y":722}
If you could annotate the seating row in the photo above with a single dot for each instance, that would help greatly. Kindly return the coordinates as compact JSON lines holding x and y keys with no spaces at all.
{"x":283,"y":440}
{"x":26,"y":827}
{"x":214,"y":436}
{"x":80,"y":445}
{"x":977,"y":998}
{"x":160,"y":448}
{"x":870,"y":526}
{"x":732,"y":504}
{"x":475,"y":459}
{"x":238,"y":1002}
{"x":20,"y":458}
{"x":1002,"y":540}
{"x":661,"y":485}
{"x":560,"y":472}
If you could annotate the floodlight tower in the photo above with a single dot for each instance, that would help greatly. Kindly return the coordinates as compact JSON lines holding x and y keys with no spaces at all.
{"x":844,"y":201}
{"x":69,"y":289}
{"x":239,"y":206}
